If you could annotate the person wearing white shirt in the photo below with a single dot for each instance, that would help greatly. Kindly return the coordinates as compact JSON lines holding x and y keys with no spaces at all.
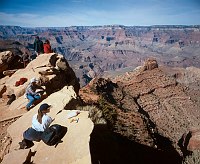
{"x":40,"y":122}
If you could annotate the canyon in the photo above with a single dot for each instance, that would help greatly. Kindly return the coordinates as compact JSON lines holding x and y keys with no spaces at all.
{"x":143,"y":103}
{"x":115,"y":47}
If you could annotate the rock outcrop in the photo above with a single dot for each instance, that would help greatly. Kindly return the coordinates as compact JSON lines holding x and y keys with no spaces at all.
{"x":62,"y":87}
{"x":8,"y":60}
{"x":149,"y":106}
{"x":75,"y":145}
{"x":45,"y":69}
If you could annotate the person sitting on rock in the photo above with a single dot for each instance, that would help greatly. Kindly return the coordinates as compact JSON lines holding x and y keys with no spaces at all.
{"x":47,"y":47}
{"x":40,"y":122}
{"x":31,"y":93}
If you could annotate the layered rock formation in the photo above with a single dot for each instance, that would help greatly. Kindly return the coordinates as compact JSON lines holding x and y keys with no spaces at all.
{"x":152,"y":106}
{"x":116,"y":47}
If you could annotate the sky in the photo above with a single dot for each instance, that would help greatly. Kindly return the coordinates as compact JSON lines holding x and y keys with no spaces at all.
{"x":65,"y":13}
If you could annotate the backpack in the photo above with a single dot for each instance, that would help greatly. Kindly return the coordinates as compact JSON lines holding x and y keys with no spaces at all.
{"x":53,"y":135}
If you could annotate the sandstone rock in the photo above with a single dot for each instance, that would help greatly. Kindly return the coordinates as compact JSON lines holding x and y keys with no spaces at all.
{"x":52,"y":82}
{"x":9,"y":72}
{"x":75,"y":145}
{"x":19,"y":156}
{"x":5,"y":59}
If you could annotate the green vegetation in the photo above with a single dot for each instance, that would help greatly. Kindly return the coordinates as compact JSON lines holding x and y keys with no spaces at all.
{"x":108,"y":110}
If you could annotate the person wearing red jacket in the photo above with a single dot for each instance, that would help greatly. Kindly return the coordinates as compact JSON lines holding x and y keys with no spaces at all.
{"x":47,"y":47}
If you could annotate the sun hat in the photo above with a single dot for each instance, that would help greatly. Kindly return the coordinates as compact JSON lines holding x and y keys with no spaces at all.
{"x":44,"y":106}
{"x":33,"y":80}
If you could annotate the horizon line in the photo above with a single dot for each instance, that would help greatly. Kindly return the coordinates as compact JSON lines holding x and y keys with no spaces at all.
{"x":110,"y":25}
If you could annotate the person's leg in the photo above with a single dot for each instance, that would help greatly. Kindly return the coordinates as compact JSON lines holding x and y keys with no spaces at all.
{"x":36,"y":97}
{"x":28,"y":138}
{"x":31,"y":100}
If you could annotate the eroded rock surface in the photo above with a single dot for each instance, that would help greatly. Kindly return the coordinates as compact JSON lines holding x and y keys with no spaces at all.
{"x":150,"y":107}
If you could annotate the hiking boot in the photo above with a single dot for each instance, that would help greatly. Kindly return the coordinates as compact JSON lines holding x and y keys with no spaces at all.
{"x":28,"y":108}
{"x":22,"y":145}
{"x":25,"y":144}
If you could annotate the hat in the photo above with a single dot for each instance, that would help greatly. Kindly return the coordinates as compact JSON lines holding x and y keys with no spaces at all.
{"x":33,"y":80}
{"x":44,"y":106}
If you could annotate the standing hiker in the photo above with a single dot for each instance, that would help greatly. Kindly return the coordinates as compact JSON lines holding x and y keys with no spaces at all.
{"x":38,"y":46}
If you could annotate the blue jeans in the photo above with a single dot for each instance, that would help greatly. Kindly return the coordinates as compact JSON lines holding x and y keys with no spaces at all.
{"x":32,"y":98}
{"x":32,"y":135}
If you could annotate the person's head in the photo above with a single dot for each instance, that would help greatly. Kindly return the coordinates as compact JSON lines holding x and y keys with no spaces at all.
{"x":44,"y":108}
{"x":47,"y":42}
{"x":37,"y":37}
{"x":33,"y":81}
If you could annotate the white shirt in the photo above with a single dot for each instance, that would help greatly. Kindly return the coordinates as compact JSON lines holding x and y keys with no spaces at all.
{"x":46,"y":121}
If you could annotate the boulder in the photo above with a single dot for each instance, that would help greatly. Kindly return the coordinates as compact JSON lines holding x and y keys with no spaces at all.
{"x":5,"y":59}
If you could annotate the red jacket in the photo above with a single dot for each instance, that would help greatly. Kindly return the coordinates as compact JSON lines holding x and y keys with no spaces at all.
{"x":47,"y":48}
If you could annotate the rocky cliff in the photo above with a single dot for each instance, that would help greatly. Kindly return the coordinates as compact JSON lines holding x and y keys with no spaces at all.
{"x":147,"y":115}
{"x":153,"y":106}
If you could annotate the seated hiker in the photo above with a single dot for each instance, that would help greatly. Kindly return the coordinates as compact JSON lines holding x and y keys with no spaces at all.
{"x":47,"y":47}
{"x":40,"y":122}
{"x":31,"y":93}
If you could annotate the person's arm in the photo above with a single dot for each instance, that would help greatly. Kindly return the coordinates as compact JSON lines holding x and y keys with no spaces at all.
{"x":47,"y":122}
{"x":39,"y":87}
{"x":29,"y":90}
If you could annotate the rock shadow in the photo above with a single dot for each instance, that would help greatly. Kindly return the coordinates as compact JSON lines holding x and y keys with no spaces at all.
{"x":109,"y":148}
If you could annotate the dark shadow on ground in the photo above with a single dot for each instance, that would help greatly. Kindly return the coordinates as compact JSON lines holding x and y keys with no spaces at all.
{"x":108,"y":148}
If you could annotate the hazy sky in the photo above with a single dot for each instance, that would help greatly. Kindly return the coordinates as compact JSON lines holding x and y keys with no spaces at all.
{"x":62,"y":13}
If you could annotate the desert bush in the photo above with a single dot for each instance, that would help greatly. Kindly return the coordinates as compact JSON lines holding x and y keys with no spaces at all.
{"x":194,"y":158}
{"x":95,"y":114}
{"x":108,"y":111}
